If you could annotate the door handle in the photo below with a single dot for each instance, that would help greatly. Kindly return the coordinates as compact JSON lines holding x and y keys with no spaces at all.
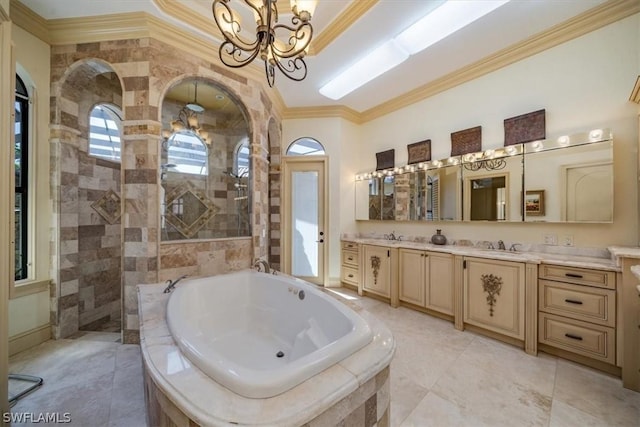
{"x":320,"y":241}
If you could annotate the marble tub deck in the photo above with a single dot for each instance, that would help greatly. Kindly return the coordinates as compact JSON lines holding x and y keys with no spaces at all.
{"x":439,"y":377}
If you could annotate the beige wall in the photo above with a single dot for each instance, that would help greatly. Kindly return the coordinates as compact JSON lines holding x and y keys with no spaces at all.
{"x":582,"y":84}
{"x":32,"y":58}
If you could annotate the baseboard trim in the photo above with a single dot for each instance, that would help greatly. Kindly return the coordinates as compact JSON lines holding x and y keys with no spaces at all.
{"x":28,"y":339}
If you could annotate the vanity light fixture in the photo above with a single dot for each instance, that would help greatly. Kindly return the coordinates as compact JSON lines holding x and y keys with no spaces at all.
{"x":278,"y":45}
{"x":564,"y":140}
{"x":596,"y":134}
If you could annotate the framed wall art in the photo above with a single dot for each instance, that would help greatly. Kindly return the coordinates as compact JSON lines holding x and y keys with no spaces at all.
{"x":385,"y":159}
{"x":534,"y":203}
{"x":419,"y":151}
{"x":525,"y":128}
{"x":466,"y":141}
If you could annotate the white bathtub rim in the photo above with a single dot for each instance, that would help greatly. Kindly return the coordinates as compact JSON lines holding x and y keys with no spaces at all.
{"x":160,"y":342}
{"x":254,"y":383}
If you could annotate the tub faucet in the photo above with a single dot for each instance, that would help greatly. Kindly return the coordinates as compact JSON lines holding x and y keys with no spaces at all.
{"x":501,"y":245}
{"x":261,"y":262}
{"x":172,"y":284}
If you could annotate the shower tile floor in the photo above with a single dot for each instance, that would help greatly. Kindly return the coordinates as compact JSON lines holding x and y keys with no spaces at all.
{"x":439,"y":377}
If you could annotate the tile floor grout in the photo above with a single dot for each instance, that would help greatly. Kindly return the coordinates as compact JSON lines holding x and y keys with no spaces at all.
{"x":439,"y":377}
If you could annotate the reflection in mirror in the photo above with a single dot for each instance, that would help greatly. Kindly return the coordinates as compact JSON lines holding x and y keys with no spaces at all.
{"x":493,"y":189}
{"x":570,"y":184}
{"x":381,"y":198}
{"x":205,"y":166}
{"x":432,"y":195}
{"x":362,"y":199}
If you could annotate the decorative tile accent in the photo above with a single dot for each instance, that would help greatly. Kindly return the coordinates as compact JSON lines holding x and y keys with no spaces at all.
{"x":188,"y":209}
{"x":108,"y":207}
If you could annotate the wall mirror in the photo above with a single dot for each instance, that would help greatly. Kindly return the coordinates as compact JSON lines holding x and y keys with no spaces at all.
{"x":569,"y":184}
{"x":205,"y":165}
{"x":493,"y":187}
{"x":568,"y":179}
{"x":380,"y":197}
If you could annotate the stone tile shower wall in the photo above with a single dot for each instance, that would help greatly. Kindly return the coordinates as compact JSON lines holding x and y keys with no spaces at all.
{"x":232,"y":219}
{"x":87,"y":249}
{"x":146,"y":68}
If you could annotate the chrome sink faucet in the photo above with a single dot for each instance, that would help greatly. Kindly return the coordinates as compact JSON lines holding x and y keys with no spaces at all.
{"x":513,"y":247}
{"x":392,"y":236}
{"x":501,"y":245}
{"x":172,"y":284}
{"x":258,"y":263}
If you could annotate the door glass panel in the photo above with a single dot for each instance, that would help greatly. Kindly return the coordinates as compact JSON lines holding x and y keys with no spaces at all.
{"x":304,"y":203}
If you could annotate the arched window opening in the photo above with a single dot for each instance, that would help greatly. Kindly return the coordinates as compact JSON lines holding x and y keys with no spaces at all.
{"x":21,"y":165}
{"x":305,"y":147}
{"x":105,"y":123}
{"x":241,"y":159}
{"x":187,"y":153}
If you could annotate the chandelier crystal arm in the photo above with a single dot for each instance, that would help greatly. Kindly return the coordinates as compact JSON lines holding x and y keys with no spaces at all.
{"x":230,"y":26}
{"x":298,"y":41}
{"x":279,"y":46}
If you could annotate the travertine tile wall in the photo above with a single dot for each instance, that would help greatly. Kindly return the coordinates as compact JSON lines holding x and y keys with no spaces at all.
{"x":146,"y":69}
{"x":87,"y":248}
{"x":275,"y":179}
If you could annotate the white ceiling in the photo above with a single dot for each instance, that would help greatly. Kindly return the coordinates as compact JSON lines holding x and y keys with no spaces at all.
{"x":511,"y":23}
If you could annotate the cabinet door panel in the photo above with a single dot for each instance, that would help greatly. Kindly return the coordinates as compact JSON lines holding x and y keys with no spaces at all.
{"x":494,"y":296}
{"x":412,"y":274}
{"x":376,"y":270}
{"x":440,"y":283}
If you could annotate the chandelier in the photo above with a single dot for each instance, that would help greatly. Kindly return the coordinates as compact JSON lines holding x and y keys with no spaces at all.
{"x":187,"y":121}
{"x":279,"y":46}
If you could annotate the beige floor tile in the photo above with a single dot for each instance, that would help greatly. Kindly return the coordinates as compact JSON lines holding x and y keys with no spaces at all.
{"x":563,"y":415}
{"x":597,"y":394}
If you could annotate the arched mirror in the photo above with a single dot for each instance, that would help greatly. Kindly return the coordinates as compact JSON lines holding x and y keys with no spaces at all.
{"x":205,"y":163}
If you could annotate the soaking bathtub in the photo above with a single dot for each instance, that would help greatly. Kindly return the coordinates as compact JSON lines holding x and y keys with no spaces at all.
{"x":259,"y":334}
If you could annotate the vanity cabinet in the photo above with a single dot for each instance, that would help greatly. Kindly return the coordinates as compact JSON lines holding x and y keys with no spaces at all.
{"x":350,"y":265}
{"x":377,"y":270}
{"x":426,"y":279}
{"x":577,"y":311}
{"x":494,"y":296}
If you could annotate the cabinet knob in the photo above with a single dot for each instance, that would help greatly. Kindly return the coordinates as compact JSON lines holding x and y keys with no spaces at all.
{"x":351,"y":275}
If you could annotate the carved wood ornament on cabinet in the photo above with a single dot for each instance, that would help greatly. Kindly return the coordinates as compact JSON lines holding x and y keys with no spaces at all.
{"x":375,"y":264}
{"x":492,"y":286}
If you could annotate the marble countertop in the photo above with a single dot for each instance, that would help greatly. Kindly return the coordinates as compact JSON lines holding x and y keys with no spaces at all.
{"x":210,"y":404}
{"x":571,"y":260}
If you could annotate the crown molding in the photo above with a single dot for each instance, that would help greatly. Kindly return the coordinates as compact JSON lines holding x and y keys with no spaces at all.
{"x":30,"y":21}
{"x":347,"y":18}
{"x":635,"y":93}
{"x":124,"y":26}
{"x":186,"y":15}
{"x":591,"y":20}
{"x":340,"y":111}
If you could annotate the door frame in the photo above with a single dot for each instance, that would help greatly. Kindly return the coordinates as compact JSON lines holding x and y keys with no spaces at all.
{"x":285,"y":217}
{"x":6,"y":124}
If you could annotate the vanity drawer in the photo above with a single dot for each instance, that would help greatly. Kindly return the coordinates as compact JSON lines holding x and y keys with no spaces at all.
{"x":579,"y":276}
{"x":350,"y":275}
{"x":594,"y":341}
{"x":350,"y":245}
{"x":585,"y":303}
{"x":350,"y":258}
